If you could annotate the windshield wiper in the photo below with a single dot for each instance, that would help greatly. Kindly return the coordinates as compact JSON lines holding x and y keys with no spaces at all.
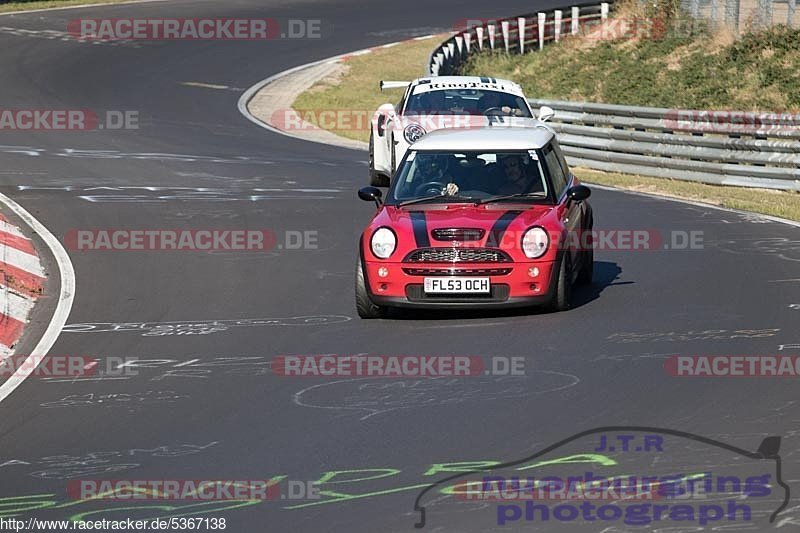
{"x":508,"y":196}
{"x":428,"y":198}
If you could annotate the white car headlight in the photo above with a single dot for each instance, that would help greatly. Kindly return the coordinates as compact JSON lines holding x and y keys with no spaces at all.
{"x":413,"y":133}
{"x":535,"y":242}
{"x":383,"y":243}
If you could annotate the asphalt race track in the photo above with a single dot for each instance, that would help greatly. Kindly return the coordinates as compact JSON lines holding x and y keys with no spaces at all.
{"x":202,"y":402}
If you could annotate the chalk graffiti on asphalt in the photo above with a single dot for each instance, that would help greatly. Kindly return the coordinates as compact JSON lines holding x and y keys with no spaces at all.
{"x":200,"y":327}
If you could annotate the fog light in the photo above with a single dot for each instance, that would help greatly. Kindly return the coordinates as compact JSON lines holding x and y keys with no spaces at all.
{"x":383,"y":287}
{"x":383,"y":272}
{"x":533,"y":272}
{"x":534,"y":287}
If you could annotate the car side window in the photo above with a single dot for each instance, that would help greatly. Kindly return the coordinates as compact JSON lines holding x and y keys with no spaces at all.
{"x":555,"y":170}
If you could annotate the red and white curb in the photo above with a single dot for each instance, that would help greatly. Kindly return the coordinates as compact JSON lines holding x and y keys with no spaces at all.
{"x":21,"y":283}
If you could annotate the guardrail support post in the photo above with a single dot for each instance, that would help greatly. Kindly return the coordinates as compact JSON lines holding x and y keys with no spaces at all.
{"x":790,"y":14}
{"x":714,"y":13}
{"x":504,"y":29}
{"x":576,"y":20}
{"x":604,"y":10}
{"x":490,"y":28}
{"x":557,"y":26}
{"x":732,"y":14}
{"x":479,"y":34}
{"x":764,"y":13}
{"x":521,"y":32}
{"x":694,"y":9}
{"x":542,"y":19}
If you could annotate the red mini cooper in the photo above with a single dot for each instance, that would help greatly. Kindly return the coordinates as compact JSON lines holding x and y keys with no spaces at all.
{"x":476,"y":218}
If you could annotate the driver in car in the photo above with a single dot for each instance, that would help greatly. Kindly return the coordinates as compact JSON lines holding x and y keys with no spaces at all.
{"x":489,"y":100}
{"x":433,"y":175}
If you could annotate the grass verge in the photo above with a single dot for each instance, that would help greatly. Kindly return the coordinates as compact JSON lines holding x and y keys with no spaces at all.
{"x":769,"y":202}
{"x":354,"y":88}
{"x":28,"y":5}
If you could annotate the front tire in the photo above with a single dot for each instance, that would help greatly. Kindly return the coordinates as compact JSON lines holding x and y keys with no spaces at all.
{"x":563,"y":288}
{"x":585,"y":274}
{"x":364,"y":306}
{"x":587,"y":268}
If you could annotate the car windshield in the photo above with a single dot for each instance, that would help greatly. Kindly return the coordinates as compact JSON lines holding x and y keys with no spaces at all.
{"x":475,"y":176}
{"x":466,"y":102}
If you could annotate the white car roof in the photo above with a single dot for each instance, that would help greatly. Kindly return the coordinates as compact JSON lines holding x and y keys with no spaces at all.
{"x":438,"y":83}
{"x":490,"y":138}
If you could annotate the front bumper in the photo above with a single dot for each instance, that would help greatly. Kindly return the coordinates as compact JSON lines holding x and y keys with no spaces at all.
{"x":511,"y":284}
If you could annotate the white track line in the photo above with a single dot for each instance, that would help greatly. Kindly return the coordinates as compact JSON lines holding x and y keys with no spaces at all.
{"x":692,"y":202}
{"x":63,"y":308}
{"x":251,"y":92}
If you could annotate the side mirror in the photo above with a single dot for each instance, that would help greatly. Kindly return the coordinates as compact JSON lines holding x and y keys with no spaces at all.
{"x":770,"y":447}
{"x":546,"y":113}
{"x":579,"y":193}
{"x":371,"y":194}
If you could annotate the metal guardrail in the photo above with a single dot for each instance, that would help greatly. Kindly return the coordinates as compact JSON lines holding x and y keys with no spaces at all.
{"x":746,"y":149}
{"x":520,"y":34}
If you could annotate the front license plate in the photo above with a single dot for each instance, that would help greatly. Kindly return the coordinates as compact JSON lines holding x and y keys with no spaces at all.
{"x":457,"y":285}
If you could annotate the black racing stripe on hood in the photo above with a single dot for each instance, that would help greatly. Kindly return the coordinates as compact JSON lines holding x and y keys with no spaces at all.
{"x":499,"y":228}
{"x":420,"y":226}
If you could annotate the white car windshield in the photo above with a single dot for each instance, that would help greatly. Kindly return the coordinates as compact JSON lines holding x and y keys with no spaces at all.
{"x":474,"y":176}
{"x":467,"y":102}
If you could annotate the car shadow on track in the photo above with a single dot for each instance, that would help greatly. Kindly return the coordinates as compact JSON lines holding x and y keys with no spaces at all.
{"x":605,"y":275}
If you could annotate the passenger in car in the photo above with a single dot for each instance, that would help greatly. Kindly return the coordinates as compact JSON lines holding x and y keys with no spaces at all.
{"x":516,"y":177}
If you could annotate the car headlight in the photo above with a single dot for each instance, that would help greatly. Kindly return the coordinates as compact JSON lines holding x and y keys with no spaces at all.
{"x":413,"y":133}
{"x":383,"y":243}
{"x":535,"y":242}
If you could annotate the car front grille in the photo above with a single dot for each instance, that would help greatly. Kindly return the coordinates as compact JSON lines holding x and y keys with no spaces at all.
{"x":457,"y":255}
{"x":458,"y":234}
{"x":457,"y":271}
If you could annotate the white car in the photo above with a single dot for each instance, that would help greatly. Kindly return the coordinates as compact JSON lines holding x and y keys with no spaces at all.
{"x":438,"y":102}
